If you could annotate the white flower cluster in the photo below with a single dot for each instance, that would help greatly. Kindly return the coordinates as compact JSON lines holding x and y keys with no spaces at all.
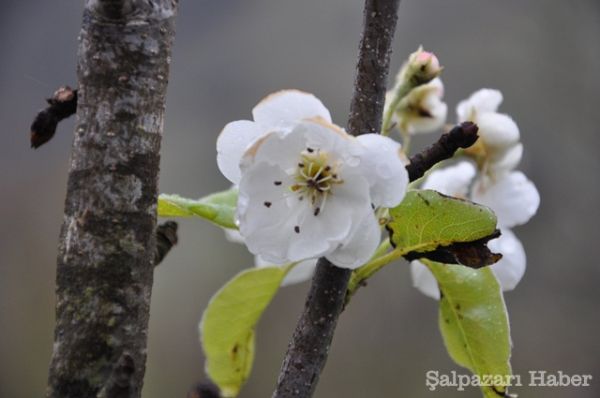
{"x":493,"y":182}
{"x":306,"y":188}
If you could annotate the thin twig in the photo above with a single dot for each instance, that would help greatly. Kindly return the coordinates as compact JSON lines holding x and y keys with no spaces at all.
{"x":166,"y":238}
{"x":461,"y":136}
{"x":309,"y":346}
{"x":62,"y":105}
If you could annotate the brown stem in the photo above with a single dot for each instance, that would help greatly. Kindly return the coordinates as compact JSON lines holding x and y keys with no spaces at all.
{"x":461,"y":136}
{"x":309,"y":346}
{"x":108,"y":238}
{"x":62,"y":105}
{"x":166,"y":238}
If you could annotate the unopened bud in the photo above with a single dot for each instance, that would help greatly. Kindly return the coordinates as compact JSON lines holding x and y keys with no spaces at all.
{"x":421,"y":67}
{"x":428,"y":63}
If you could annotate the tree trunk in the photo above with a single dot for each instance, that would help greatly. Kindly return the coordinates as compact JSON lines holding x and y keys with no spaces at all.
{"x":107,"y":241}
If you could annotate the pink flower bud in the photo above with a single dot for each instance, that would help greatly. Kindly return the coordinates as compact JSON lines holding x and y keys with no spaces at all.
{"x":427,"y":63}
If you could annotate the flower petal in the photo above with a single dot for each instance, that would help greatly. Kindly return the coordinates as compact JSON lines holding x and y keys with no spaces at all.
{"x":422,"y":110}
{"x":360,"y":246}
{"x":498,"y":131}
{"x":424,"y":280}
{"x":382,"y":165}
{"x":339,"y":215}
{"x":233,"y":141}
{"x":452,"y":180}
{"x":506,"y":160}
{"x":313,"y":235}
{"x":437,"y":110}
{"x":330,"y":138}
{"x":511,"y":268}
{"x":284,"y":148}
{"x":262,"y":206}
{"x":276,"y":148}
{"x":481,"y":101}
{"x":287,"y":107}
{"x":233,"y":235}
{"x":512,"y":196}
{"x":301,"y":272}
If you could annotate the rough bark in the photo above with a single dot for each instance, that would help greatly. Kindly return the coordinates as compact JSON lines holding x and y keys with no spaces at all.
{"x":309,"y":346}
{"x":372,"y":68}
{"x":107,"y":243}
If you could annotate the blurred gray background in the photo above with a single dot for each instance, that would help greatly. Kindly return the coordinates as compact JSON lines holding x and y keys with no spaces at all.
{"x":543,"y":54}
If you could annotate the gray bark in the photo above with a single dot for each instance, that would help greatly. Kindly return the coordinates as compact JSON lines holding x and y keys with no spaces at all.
{"x":309,"y":346}
{"x":107,"y":241}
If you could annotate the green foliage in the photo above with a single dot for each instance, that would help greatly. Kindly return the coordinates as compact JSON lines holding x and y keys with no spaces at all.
{"x":474,"y":322}
{"x":218,"y":208}
{"x":427,"y":219}
{"x":227,"y":326}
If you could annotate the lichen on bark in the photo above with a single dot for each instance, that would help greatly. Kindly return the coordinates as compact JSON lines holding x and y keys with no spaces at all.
{"x":107,"y":241}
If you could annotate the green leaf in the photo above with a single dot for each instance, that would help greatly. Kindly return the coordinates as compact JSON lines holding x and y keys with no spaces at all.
{"x":430,"y":225}
{"x":427,"y":219}
{"x":219,"y":208}
{"x":227,"y":326}
{"x":474,"y":323}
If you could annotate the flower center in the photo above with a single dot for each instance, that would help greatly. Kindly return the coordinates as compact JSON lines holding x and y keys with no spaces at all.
{"x":315,"y":178}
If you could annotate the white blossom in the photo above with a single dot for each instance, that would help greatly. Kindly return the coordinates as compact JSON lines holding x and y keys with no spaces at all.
{"x":422,"y":109}
{"x":307,"y":188}
{"x":498,"y":144}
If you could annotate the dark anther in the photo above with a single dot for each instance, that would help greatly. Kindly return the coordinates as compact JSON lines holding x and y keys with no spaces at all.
{"x":317,"y":211}
{"x":297,"y":229}
{"x":277,"y":182}
{"x":310,"y":150}
{"x":267,"y":204}
{"x":301,"y":165}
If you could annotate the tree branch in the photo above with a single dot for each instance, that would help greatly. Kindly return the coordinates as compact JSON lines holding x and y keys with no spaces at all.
{"x":462,"y":136}
{"x":62,"y":105}
{"x":309,"y":346}
{"x":166,"y":238}
{"x":108,"y":238}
